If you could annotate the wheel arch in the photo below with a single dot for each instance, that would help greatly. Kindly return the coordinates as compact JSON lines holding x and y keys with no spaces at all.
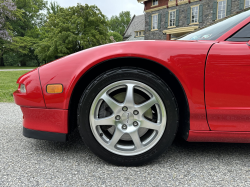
{"x":164,"y":73}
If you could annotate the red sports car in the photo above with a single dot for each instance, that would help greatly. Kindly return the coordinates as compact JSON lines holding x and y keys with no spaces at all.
{"x":129,"y":99}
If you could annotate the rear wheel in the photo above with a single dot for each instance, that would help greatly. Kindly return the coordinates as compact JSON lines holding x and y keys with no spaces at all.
{"x":127,"y":116}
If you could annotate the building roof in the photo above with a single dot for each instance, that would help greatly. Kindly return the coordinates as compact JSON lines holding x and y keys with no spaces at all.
{"x":137,"y":23}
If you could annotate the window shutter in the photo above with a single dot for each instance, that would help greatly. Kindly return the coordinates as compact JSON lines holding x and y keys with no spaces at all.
{"x":215,"y":10}
{"x":188,"y":15}
{"x":177,"y":18}
{"x":149,"y":23}
{"x":166,"y":20}
{"x":159,"y":21}
{"x":229,"y":7}
{"x":242,"y":2}
{"x":200,"y":13}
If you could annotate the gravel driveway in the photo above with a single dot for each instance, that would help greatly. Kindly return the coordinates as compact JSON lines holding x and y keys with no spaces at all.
{"x":29,"y":162}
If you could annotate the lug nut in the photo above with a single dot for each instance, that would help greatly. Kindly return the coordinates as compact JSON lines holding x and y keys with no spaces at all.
{"x":124,"y":126}
{"x":124,"y":108}
{"x":117,"y":117}
{"x":135,"y":123}
{"x":136,"y":112}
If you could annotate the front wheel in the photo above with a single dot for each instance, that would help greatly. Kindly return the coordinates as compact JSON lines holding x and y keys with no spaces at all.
{"x":128,"y":117}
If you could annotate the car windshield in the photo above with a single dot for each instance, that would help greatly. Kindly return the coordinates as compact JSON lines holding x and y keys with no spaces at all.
{"x":215,"y":31}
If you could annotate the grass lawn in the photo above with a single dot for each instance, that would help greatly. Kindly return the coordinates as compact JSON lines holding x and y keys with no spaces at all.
{"x":16,"y":67}
{"x":8,"y":84}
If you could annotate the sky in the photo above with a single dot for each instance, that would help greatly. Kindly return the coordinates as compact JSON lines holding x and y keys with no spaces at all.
{"x":109,"y":7}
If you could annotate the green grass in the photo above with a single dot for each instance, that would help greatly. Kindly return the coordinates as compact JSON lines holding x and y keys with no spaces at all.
{"x":16,"y":67}
{"x":8,"y":84}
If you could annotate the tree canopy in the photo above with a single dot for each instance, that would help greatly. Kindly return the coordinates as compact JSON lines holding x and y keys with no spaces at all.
{"x":31,"y":15}
{"x":115,"y":37}
{"x":7,"y":12}
{"x":71,"y":30}
{"x":119,"y":23}
{"x":53,"y":8}
{"x":35,"y":31}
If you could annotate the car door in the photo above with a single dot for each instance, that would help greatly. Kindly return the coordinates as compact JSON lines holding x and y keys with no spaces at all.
{"x":227,"y":83}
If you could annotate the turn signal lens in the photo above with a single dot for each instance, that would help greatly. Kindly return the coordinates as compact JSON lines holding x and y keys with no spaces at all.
{"x":54,"y":88}
{"x":22,"y":88}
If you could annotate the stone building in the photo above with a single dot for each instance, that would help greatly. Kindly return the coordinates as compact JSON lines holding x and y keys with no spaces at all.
{"x":135,"y":29}
{"x":166,"y":19}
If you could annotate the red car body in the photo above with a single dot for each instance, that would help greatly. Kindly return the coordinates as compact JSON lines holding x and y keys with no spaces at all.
{"x":213,"y":75}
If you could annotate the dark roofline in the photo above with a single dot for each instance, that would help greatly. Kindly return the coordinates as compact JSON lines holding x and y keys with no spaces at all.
{"x":129,"y":25}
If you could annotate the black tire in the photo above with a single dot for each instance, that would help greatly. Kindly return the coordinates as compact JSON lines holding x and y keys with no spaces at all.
{"x":128,"y":73}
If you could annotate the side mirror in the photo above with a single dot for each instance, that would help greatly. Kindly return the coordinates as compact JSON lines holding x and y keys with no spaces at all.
{"x":248,"y":43}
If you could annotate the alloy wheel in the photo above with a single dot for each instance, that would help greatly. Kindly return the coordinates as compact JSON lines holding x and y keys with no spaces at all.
{"x":127,"y":117}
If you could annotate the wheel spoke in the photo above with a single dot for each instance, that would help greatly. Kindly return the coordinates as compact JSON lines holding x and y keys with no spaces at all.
{"x":104,"y":121}
{"x":149,"y":125}
{"x":110,"y":102}
{"x":116,"y":137}
{"x":129,"y":99}
{"x":145,"y":106}
{"x":136,"y":139}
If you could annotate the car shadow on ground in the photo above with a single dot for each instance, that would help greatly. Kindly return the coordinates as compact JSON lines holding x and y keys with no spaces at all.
{"x":211,"y":147}
{"x":180,"y":150}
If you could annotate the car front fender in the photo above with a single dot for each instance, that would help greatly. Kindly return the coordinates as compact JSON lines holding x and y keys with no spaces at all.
{"x":185,"y":59}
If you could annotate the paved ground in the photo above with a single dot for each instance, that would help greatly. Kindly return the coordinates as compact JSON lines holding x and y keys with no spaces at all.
{"x":15,"y":69}
{"x":28,"y":162}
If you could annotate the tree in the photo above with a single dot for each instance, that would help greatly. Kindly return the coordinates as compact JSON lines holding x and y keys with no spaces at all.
{"x":120,"y":23}
{"x":31,"y":15}
{"x":71,"y":30}
{"x":8,"y":12}
{"x":7,"y":7}
{"x":26,"y":32}
{"x":116,"y":37}
{"x":53,"y":8}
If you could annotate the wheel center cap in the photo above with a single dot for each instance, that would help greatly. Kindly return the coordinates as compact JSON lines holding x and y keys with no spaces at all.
{"x":127,"y":118}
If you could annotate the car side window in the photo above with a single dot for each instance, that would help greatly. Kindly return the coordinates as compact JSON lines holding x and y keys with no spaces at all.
{"x":242,"y":35}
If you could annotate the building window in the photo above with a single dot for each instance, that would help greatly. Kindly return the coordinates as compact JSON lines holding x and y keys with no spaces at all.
{"x":172,"y":18}
{"x":194,"y":14}
{"x":139,"y":33}
{"x":221,"y":9}
{"x":155,"y":2}
{"x":247,"y":3}
{"x":154,"y":21}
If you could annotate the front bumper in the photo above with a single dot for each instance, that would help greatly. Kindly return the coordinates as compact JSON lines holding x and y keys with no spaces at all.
{"x":42,"y":135}
{"x":45,"y":124}
{"x":38,"y":121}
{"x":49,"y":120}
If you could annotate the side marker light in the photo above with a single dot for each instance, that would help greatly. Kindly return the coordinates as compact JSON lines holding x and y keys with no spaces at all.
{"x":54,"y":88}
